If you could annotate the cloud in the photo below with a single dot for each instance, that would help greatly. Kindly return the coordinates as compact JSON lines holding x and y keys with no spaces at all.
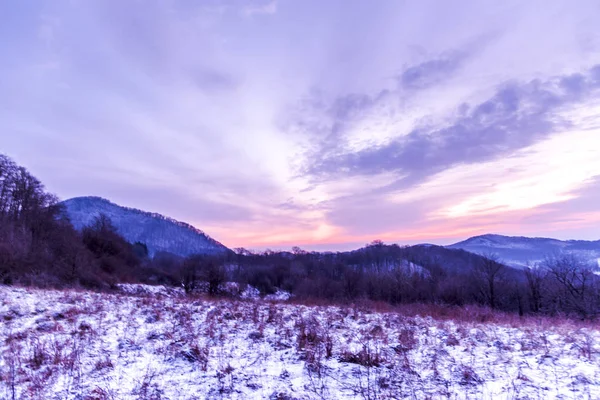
{"x":314,"y":122}
{"x":431,"y":72}
{"x":546,"y":187}
{"x":516,"y":116}
{"x":437,"y":70}
{"x":267,"y":8}
{"x":361,"y":119}
{"x":47,"y":30}
{"x":212,"y":80}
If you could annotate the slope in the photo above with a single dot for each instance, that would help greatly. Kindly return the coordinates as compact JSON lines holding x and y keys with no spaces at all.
{"x":519,"y":251}
{"x":159,"y":233}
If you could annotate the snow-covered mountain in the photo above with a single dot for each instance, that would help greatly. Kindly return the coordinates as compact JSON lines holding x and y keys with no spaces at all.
{"x":159,"y":233}
{"x":519,"y":251}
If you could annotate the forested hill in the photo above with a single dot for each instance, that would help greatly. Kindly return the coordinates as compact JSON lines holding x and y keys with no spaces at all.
{"x":159,"y":233}
{"x":522,"y":251}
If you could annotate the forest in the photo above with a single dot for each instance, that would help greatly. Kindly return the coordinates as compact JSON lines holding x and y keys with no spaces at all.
{"x":40,"y":247}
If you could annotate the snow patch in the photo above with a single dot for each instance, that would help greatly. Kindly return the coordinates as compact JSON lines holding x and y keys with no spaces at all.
{"x":149,"y":290}
{"x":280,"y":295}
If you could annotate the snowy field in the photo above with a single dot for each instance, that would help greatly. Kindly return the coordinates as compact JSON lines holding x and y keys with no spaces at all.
{"x":157,"y":344}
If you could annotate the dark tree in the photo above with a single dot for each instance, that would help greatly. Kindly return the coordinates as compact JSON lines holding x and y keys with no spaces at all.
{"x":488,"y":273}
{"x":536,"y":278}
{"x":578,"y":289}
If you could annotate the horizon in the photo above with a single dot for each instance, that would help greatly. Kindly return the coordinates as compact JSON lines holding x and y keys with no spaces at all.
{"x":272,"y":124}
{"x":323,"y":247}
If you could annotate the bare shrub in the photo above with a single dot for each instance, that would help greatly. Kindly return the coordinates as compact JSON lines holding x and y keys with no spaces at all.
{"x":452,"y":340}
{"x":39,"y":355}
{"x":272,"y":314}
{"x":256,"y":335}
{"x":98,"y":394}
{"x":56,"y":352}
{"x":103,"y":364}
{"x":407,"y":339}
{"x":225,"y":379}
{"x":367,"y":357}
{"x":197,"y":354}
{"x":147,"y":389}
{"x":19,"y":336}
{"x":468,"y":376}
{"x":585,"y":345}
{"x":328,"y":346}
{"x":12,"y":361}
{"x":308,"y":332}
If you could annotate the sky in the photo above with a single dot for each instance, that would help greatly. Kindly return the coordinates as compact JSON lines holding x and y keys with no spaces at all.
{"x":322,"y":124}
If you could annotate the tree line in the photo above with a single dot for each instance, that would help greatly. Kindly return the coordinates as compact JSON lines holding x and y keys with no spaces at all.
{"x":39,"y":246}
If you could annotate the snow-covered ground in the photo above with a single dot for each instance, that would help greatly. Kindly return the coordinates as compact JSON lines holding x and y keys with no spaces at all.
{"x":157,"y":344}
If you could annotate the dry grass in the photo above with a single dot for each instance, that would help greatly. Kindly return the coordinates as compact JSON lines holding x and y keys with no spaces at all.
{"x":111,"y":346}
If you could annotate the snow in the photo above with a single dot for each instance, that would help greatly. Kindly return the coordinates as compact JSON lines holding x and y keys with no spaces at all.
{"x":158,"y":344}
{"x":524,"y":251}
{"x":250,"y":293}
{"x":146,"y":290}
{"x":159,"y":233}
{"x":280,"y":295}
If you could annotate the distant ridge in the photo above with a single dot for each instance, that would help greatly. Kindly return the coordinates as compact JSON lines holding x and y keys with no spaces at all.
{"x":159,"y":233}
{"x":520,"y":250}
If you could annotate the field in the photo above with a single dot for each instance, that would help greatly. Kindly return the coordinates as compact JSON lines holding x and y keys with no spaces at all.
{"x":159,"y":344}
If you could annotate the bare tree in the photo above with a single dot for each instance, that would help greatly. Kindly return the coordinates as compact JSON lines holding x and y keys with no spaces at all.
{"x":536,"y":278}
{"x":214,"y":273}
{"x":488,"y":272}
{"x":189,"y":274}
{"x":578,"y":282}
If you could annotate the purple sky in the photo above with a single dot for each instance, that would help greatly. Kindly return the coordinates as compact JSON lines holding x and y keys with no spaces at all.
{"x":324,"y":124}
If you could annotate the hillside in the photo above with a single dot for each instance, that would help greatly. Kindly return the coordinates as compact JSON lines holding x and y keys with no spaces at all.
{"x":69,"y":344}
{"x":417,"y":258}
{"x":159,"y":233}
{"x":519,"y":251}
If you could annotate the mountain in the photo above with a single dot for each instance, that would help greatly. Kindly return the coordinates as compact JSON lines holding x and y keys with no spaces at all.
{"x":159,"y":233}
{"x":519,"y":251}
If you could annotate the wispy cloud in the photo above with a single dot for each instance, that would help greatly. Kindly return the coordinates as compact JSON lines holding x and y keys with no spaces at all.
{"x":266,"y":8}
{"x":516,"y":116}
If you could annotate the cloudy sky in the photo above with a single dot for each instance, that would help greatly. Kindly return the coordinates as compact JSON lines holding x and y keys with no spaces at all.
{"x":324,"y":124}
